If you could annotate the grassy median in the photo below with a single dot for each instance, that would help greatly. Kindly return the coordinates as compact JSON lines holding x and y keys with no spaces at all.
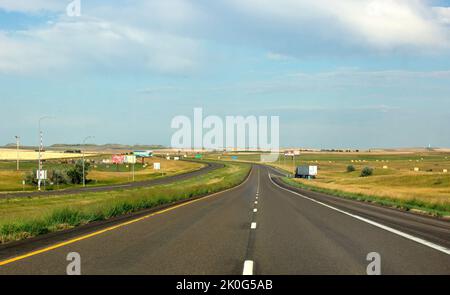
{"x":23,"y":218}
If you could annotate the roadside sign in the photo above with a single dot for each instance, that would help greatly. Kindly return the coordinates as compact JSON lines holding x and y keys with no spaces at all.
{"x":156,"y":166}
{"x":198,"y":156}
{"x":118,"y":159}
{"x":176,"y":158}
{"x":143,"y":154}
{"x":43,"y":174}
{"x":130,"y":159}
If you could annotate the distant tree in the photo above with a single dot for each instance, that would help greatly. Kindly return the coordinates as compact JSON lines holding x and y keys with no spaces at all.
{"x":367,"y":171}
{"x":350,"y":168}
{"x":75,"y":174}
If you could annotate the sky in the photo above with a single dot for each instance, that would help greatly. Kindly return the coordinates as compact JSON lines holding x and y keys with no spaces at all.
{"x":339,"y":74}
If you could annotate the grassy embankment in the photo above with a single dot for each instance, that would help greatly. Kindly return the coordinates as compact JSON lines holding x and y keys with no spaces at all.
{"x":22,"y":218}
{"x":100,"y":174}
{"x":395,"y":185}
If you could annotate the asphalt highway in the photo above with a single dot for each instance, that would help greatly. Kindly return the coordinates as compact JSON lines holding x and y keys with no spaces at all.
{"x":256,"y":228}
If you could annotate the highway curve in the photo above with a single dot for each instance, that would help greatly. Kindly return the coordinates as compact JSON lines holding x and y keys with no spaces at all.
{"x":288,"y":233}
{"x":131,"y":185}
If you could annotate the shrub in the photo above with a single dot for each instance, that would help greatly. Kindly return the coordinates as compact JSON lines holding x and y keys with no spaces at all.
{"x":350,"y":168}
{"x":75,"y":174}
{"x":30,"y":178}
{"x":58,"y":177}
{"x":367,"y":171}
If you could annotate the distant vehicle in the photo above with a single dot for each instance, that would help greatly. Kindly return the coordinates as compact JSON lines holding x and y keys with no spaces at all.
{"x":306,"y":171}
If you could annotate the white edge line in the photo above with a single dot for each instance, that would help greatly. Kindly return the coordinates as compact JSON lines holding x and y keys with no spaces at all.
{"x":379,"y":225}
{"x":248,"y":268}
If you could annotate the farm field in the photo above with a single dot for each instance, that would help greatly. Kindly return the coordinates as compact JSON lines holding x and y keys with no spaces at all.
{"x":393,"y":176}
{"x":11,"y":155}
{"x":99,"y":173}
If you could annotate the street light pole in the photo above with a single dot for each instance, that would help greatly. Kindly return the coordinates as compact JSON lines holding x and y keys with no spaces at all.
{"x":84,"y":141}
{"x":40,"y":149}
{"x":17,"y":146}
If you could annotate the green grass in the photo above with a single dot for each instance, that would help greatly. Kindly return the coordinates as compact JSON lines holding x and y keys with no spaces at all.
{"x":433,"y":209}
{"x":22,"y":218}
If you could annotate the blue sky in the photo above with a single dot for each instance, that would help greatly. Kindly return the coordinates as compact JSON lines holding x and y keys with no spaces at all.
{"x":338,"y":73}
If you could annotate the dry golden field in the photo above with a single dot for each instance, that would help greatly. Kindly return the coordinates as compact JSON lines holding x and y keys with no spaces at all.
{"x":393,"y":173}
{"x":11,"y":154}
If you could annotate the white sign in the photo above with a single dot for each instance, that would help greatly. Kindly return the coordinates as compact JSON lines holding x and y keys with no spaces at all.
{"x":176,"y":158}
{"x":156,"y":166}
{"x":130,"y":159}
{"x":43,"y":174}
{"x":167,"y":158}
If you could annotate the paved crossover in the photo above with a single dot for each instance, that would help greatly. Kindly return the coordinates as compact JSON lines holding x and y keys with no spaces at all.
{"x":260,"y":225}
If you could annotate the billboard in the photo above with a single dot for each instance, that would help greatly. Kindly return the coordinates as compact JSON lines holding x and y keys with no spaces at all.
{"x":43,"y":174}
{"x":143,"y":154}
{"x":130,"y":159}
{"x":156,"y":166}
{"x":118,"y":159}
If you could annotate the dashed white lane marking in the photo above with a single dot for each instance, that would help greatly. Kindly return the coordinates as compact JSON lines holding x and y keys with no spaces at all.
{"x":255,"y":210}
{"x":253,"y":226}
{"x":256,"y":202}
{"x":248,"y":268}
{"x":379,"y":225}
{"x":257,"y":198}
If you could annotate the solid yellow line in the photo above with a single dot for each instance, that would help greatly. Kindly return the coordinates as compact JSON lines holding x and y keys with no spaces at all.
{"x":59,"y":245}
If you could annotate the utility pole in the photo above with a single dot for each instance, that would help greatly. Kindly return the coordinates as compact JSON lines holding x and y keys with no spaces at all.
{"x":293,"y":163}
{"x":84,"y":177}
{"x":41,"y":145}
{"x":17,"y":146}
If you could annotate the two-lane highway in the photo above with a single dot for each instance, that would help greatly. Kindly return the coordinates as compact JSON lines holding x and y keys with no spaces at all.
{"x":255,"y":228}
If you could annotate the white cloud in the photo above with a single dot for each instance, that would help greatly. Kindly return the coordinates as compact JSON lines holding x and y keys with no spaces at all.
{"x":345,"y":79}
{"x":442,"y":14}
{"x":167,"y":36}
{"x":93,"y":43}
{"x":32,"y":6}
{"x":277,"y":56}
{"x":383,"y":24}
